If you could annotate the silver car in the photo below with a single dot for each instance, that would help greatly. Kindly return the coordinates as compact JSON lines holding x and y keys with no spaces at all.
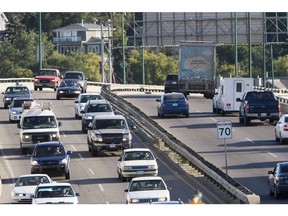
{"x":16,"y":108}
{"x":82,"y":99}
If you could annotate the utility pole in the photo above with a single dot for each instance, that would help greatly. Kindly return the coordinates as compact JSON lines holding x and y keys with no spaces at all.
{"x":123,"y":51}
{"x":40,"y":43}
{"x":236,"y":45}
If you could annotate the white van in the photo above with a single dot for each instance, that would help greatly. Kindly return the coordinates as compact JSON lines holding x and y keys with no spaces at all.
{"x":38,"y":124}
{"x":230,"y":88}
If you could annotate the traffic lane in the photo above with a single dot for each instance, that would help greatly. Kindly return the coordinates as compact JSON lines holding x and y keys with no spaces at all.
{"x":90,"y":176}
{"x":247,"y":150}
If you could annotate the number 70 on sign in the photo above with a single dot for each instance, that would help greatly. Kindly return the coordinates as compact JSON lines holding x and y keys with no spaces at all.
{"x":224,"y":129}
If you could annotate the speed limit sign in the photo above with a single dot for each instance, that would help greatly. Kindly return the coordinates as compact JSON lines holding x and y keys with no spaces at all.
{"x":224,"y":129}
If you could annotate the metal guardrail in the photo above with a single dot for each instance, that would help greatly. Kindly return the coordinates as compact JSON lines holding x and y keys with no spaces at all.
{"x":210,"y":171}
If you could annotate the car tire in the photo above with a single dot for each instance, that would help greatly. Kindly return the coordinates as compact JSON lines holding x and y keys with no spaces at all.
{"x":84,"y":130}
{"x":35,"y":88}
{"x":276,"y":195}
{"x":40,"y":88}
{"x":187,"y":115}
{"x":276,"y":138}
{"x":223,"y":113}
{"x":123,"y":179}
{"x":270,"y":191}
{"x":282,"y":141}
{"x":94,"y":152}
{"x":23,"y":150}
{"x":76,"y":116}
{"x":58,"y":97}
{"x":67,"y":175}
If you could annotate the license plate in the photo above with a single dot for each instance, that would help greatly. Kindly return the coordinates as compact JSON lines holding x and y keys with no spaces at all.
{"x":140,"y":172}
{"x":112,"y":146}
{"x":174,"y":104}
{"x":174,"y":83}
{"x":263,"y":114}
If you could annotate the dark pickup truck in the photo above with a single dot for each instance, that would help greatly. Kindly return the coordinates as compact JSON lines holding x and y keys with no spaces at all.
{"x":261,"y":105}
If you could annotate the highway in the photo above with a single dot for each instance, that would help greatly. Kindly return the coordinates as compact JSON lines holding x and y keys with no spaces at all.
{"x":251,"y":152}
{"x":95,"y":178}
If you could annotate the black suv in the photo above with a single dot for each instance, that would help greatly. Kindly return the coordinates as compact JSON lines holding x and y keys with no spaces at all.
{"x":171,"y":83}
{"x":51,"y":158}
{"x":78,"y":75}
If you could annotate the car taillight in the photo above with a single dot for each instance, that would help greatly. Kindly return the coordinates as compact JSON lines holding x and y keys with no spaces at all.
{"x":186,"y":103}
{"x":285,"y":127}
{"x":164,"y":104}
{"x":278,"y":105}
{"x":228,"y":105}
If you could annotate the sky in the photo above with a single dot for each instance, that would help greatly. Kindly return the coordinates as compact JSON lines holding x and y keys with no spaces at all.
{"x":143,"y":6}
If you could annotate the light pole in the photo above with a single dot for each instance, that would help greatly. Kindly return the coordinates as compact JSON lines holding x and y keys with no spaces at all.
{"x":143,"y":65}
{"x":40,"y":43}
{"x":123,"y":51}
{"x":236,"y":45}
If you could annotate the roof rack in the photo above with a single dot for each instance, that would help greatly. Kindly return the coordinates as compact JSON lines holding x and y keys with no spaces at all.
{"x":29,"y":105}
{"x":47,"y":106}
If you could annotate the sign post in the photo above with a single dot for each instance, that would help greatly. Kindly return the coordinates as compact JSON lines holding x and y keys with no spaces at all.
{"x":224,"y":131}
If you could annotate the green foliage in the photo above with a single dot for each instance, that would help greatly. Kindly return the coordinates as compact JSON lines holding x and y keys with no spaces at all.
{"x":281,"y":66}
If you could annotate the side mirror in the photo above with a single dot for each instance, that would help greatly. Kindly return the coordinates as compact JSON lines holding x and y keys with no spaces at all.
{"x":238,"y":100}
{"x":126,"y":190}
{"x":158,"y":100}
{"x":59,"y":124}
{"x":18,"y":125}
{"x":69,"y":152}
{"x":270,"y":172}
{"x":133,"y":127}
{"x":77,"y":194}
{"x":76,"y":101}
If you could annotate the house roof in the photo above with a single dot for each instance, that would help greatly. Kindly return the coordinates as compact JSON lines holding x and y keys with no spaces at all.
{"x":80,"y":26}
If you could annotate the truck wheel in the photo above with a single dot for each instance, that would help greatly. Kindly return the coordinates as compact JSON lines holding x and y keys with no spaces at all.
{"x":246,"y":121}
{"x":84,"y":129}
{"x":222,"y":112}
{"x":23,"y":150}
{"x":282,"y":141}
{"x":40,"y":88}
{"x":94,"y":152}
{"x":35,"y":88}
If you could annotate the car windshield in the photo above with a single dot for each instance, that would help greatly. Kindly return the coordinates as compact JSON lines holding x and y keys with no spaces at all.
{"x":174,"y":97}
{"x":283,"y":169}
{"x":85,"y":98}
{"x":138,"y":155}
{"x":110,"y":124}
{"x":99,"y":108}
{"x":54,"y":191}
{"x":48,"y":151}
{"x":146,"y":185}
{"x":31,"y":180}
{"x":47,"y":73}
{"x":73,"y":76}
{"x":17,"y":90}
{"x":69,"y":84}
{"x":34,"y":122}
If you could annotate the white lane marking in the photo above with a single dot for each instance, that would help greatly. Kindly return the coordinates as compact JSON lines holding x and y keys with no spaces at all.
{"x":63,"y":134}
{"x":74,"y":148}
{"x":272,"y":154}
{"x":213,"y":119}
{"x":80,"y":156}
{"x":91,"y":171}
{"x":101,"y":188}
{"x":250,"y":140}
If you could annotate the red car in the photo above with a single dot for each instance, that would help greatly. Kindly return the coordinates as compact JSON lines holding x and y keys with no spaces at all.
{"x":47,"y":78}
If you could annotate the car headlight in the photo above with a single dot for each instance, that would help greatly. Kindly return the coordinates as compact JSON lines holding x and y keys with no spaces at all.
{"x":162,"y":199}
{"x":34,"y":163}
{"x":97,"y":137}
{"x":89,"y":117}
{"x":82,"y":107}
{"x":134,"y":200}
{"x":14,"y":112}
{"x":77,"y":92}
{"x":64,"y":161}
{"x":55,"y":136}
{"x":152,"y":167}
{"x":26,"y":138}
{"x":7,"y":99}
{"x":36,"y":80}
{"x":126,"y":137}
{"x":127,"y":167}
{"x":61,"y":92}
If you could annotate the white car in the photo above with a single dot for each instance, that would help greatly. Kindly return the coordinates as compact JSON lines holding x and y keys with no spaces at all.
{"x":147,"y":190}
{"x":55,"y":193}
{"x":81,"y":101}
{"x":16,"y":108}
{"x":136,"y":162}
{"x":26,"y":185}
{"x":281,"y":129}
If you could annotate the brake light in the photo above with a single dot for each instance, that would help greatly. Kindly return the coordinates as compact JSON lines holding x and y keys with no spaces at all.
{"x":228,"y":105}
{"x":186,"y":103}
{"x":285,"y":127}
{"x":278,"y":105}
{"x":164,"y":104}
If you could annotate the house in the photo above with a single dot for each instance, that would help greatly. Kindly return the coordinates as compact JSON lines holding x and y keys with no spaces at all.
{"x":81,"y":37}
{"x":3,"y":23}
